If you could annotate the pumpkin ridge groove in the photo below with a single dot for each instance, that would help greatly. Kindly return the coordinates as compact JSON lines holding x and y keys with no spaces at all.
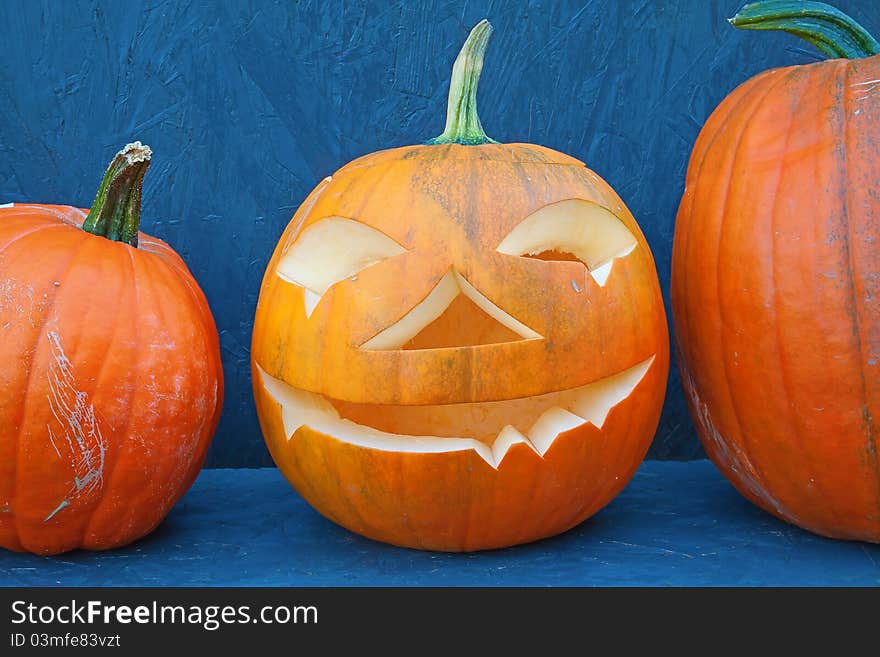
{"x":745,"y":443}
{"x":871,"y":444}
{"x":400,"y":471}
{"x":185,"y":276}
{"x":40,"y":332}
{"x":94,"y":473}
{"x":21,"y":236}
{"x":194,"y":319}
{"x":342,"y":491}
{"x":780,"y":343}
{"x":692,"y":222}
{"x":108,"y":476}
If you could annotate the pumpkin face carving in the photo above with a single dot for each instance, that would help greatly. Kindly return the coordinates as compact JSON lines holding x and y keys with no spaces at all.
{"x":460,"y":346}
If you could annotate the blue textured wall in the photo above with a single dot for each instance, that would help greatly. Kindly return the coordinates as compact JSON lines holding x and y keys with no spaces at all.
{"x":247,"y":105}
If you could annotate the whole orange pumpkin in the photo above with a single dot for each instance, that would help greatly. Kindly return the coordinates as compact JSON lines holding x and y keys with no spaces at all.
{"x":776,"y":279}
{"x":110,"y":377}
{"x":460,"y":345}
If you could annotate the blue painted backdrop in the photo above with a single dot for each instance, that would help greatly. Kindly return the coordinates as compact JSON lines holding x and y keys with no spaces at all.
{"x":248,"y":104}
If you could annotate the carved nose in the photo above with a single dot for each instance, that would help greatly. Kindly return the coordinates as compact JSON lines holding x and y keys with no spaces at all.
{"x":454,"y":314}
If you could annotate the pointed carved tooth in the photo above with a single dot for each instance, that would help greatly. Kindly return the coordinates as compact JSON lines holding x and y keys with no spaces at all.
{"x":485,"y":453}
{"x":298,"y":407}
{"x":593,"y":403}
{"x":601,"y":274}
{"x":507,"y":438}
{"x":311,"y":301}
{"x":552,"y":422}
{"x":588,"y":231}
{"x":596,"y":400}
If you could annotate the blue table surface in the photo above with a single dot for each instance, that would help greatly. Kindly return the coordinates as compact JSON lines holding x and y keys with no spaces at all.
{"x":675,"y":524}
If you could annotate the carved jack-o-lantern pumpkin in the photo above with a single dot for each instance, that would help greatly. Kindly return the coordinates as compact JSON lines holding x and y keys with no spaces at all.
{"x":460,"y":345}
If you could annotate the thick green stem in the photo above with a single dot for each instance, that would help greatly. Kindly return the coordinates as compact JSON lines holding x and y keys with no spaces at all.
{"x":829,"y":29}
{"x":462,"y":121}
{"x":116,"y":212}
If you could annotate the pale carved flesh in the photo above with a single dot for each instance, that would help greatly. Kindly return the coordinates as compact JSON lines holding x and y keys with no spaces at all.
{"x":335,"y":248}
{"x":454,"y":313}
{"x":431,"y":308}
{"x":488,"y":428}
{"x":589,"y":232}
{"x":330,"y":251}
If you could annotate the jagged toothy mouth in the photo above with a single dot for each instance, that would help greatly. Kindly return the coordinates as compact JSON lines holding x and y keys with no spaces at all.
{"x":488,"y":428}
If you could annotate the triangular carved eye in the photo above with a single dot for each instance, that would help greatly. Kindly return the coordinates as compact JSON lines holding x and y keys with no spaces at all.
{"x":331,"y":250}
{"x":572,"y":230}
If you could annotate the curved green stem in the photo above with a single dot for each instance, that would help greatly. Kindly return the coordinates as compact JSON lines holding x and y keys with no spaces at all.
{"x":462,"y":121}
{"x":116,"y":212}
{"x":829,"y":29}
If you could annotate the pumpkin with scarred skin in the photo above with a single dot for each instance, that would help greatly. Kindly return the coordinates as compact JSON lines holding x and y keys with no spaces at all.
{"x":460,"y":345}
{"x":110,"y":376}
